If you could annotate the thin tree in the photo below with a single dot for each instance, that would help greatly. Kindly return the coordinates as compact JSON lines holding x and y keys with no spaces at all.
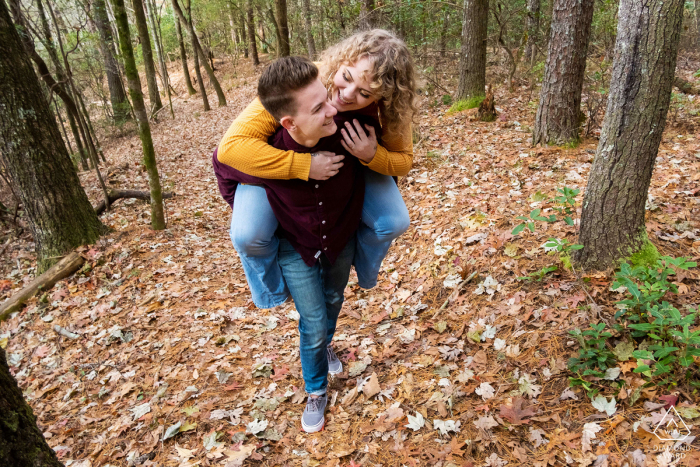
{"x":202,"y":56}
{"x":558,"y":118}
{"x":251,"y":32}
{"x":472,"y":63}
{"x":612,"y":222}
{"x":155,"y":32}
{"x":197,"y":71}
{"x":60,"y":215}
{"x":147,"y":52}
{"x":310,"y":44}
{"x":121,"y":109}
{"x":367,"y":18}
{"x":281,"y":7}
{"x":533,"y":25}
{"x":242,"y":30}
{"x":132,"y":76}
{"x":183,"y":57}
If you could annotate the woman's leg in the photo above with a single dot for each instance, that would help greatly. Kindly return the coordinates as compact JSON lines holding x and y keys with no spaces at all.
{"x":384,"y":218}
{"x":306,"y":285}
{"x":253,"y":226}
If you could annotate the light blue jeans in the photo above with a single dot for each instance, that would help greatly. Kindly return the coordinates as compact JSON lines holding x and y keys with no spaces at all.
{"x":318,"y":296}
{"x":253,"y":225}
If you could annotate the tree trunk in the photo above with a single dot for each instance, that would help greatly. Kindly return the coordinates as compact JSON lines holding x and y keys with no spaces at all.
{"x":697,"y":22}
{"x":202,"y":56}
{"x":183,"y":58}
{"x":278,"y":37}
{"x":612,"y":222}
{"x":558,"y":116}
{"x":132,"y":76}
{"x":147,"y":52}
{"x":367,"y":19}
{"x":164,"y":77}
{"x":251,"y":33}
{"x":59,"y":212}
{"x":341,"y":19}
{"x":533,"y":24}
{"x":121,"y":109}
{"x":472,"y":68}
{"x":242,"y":29}
{"x":281,"y":6}
{"x":21,"y":441}
{"x":232,"y":24}
{"x":78,"y":141}
{"x":197,"y":71}
{"x":443,"y":32}
{"x":310,"y":44}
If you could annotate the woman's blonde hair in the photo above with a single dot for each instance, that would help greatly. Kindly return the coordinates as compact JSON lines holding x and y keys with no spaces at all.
{"x":392,"y":77}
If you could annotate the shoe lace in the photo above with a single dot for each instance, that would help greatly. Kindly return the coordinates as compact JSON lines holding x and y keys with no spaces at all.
{"x":331,"y":354}
{"x":314,"y":404}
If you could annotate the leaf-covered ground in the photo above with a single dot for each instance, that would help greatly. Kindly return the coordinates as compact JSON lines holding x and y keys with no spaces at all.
{"x":172,"y":365}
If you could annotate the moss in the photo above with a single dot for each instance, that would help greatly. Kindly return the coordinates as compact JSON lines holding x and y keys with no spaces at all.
{"x":465,"y":104}
{"x":647,"y":255}
{"x":566,"y":261}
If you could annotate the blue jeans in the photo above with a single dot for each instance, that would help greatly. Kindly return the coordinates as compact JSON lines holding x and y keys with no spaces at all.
{"x":318,"y":296}
{"x":253,"y":225}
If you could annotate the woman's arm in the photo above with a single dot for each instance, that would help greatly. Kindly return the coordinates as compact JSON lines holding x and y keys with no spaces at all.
{"x":244,"y":147}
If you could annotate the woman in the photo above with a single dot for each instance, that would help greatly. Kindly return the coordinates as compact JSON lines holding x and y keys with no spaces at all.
{"x":371,"y":67}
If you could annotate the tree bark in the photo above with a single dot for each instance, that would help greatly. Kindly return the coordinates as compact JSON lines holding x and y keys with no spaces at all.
{"x":251,"y":33}
{"x":59,"y":212}
{"x":558,"y":118}
{"x":121,"y":110}
{"x":197,"y":71}
{"x":697,"y":22}
{"x":341,"y":19}
{"x":21,"y":441}
{"x":472,"y":69}
{"x":310,"y":44}
{"x":164,"y":77}
{"x":202,"y":56}
{"x":242,"y":30}
{"x":533,"y":25}
{"x":132,"y":76}
{"x":281,"y":7}
{"x":612,"y":222}
{"x":147,"y":52}
{"x":183,"y":58}
{"x":367,"y":19}
{"x":443,"y":32}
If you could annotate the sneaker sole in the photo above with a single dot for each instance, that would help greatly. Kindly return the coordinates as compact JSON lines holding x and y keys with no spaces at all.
{"x":315,"y":428}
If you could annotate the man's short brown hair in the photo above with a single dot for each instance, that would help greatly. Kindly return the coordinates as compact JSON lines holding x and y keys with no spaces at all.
{"x":280,"y":80}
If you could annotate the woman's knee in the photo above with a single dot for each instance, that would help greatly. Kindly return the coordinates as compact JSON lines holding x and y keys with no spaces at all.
{"x":253,"y":240}
{"x":392,"y":225}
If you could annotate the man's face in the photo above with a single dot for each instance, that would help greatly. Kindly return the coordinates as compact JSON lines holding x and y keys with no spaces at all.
{"x":314,"y":117}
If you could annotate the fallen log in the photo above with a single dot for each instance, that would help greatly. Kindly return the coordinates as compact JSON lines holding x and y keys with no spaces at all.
{"x":119,"y":194}
{"x":64,"y":268}
{"x":686,"y":87}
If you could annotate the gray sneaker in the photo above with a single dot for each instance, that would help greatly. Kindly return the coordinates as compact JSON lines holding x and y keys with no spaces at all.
{"x":312,"y":420}
{"x":335,"y":366}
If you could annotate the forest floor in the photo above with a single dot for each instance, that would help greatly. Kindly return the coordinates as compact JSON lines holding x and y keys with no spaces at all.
{"x":174,"y":366}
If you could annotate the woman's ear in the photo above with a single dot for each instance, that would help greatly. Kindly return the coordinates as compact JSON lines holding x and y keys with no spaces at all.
{"x":288,"y":123}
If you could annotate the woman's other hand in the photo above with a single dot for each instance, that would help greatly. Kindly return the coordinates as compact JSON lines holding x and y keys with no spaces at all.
{"x":324,"y":165}
{"x":358,"y":143}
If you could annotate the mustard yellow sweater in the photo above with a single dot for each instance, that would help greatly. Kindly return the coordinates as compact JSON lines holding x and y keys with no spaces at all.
{"x":244,"y":147}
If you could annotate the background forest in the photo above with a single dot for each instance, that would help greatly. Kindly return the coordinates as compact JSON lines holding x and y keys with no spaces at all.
{"x":542,"y":309}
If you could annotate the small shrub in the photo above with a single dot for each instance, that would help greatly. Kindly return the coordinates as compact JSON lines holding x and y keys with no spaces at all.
{"x":446,"y":99}
{"x":466,"y":104}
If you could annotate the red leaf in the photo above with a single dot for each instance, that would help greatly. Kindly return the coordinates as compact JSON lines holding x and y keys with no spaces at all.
{"x":670,"y":400}
{"x":516,"y":414}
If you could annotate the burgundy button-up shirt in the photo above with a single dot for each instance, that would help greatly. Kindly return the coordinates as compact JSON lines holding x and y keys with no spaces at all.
{"x":316,"y":216}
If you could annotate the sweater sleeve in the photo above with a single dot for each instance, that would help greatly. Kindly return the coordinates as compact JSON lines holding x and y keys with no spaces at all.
{"x":395,"y":155}
{"x":244,"y":147}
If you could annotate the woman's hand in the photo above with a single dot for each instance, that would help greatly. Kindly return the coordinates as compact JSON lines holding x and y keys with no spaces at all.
{"x":358,"y":143}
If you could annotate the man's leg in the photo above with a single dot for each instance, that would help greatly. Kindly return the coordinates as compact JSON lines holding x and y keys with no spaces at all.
{"x":384,"y":218}
{"x":253,"y":226}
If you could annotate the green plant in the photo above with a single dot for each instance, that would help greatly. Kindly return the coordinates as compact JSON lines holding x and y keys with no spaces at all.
{"x":447,"y":99}
{"x":538,"y":275}
{"x":564,"y":205}
{"x":594,"y":357}
{"x":465,"y":104}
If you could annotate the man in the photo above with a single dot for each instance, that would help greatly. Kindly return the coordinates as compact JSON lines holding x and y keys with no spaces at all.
{"x":317,"y":218}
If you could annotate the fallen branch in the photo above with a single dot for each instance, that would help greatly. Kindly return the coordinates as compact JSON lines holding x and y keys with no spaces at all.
{"x":119,"y":194}
{"x":64,"y":268}
{"x":455,"y":293}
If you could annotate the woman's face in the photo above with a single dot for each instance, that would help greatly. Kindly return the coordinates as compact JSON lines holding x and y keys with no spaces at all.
{"x":352,"y":91}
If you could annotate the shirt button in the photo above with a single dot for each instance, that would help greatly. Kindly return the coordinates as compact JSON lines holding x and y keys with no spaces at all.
{"x":316,"y":186}
{"x":324,"y":237}
{"x":320,"y":203}
{"x":325,"y":248}
{"x":323,"y":222}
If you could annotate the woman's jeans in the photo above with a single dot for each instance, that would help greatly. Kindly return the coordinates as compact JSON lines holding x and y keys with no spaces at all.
{"x":318,"y":296}
{"x":253,"y":225}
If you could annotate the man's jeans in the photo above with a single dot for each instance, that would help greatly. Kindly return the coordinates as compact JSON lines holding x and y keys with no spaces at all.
{"x":253,"y":225}
{"x":318,"y":296}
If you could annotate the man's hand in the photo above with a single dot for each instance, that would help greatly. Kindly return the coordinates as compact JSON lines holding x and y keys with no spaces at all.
{"x":358,"y":143}
{"x":324,"y":165}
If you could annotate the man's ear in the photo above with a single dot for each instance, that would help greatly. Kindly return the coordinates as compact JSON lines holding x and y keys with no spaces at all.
{"x":288,"y":123}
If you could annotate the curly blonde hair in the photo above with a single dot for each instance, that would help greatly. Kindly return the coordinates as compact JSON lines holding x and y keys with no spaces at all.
{"x":392,"y":74}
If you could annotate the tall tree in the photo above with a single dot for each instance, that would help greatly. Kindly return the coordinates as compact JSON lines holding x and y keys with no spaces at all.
{"x":117,"y":94}
{"x":472,"y":63}
{"x":155,"y":32}
{"x":367,"y":15}
{"x":132,"y":76}
{"x":197,"y":71}
{"x":558,"y":116}
{"x":147,"y":52}
{"x":242,"y":29}
{"x":281,"y":7}
{"x":533,"y":25}
{"x":183,"y":57}
{"x":697,"y":22}
{"x":202,"y":56}
{"x":612,"y":222}
{"x":251,"y":32}
{"x":59,"y":212}
{"x":21,"y":441}
{"x":310,"y":44}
